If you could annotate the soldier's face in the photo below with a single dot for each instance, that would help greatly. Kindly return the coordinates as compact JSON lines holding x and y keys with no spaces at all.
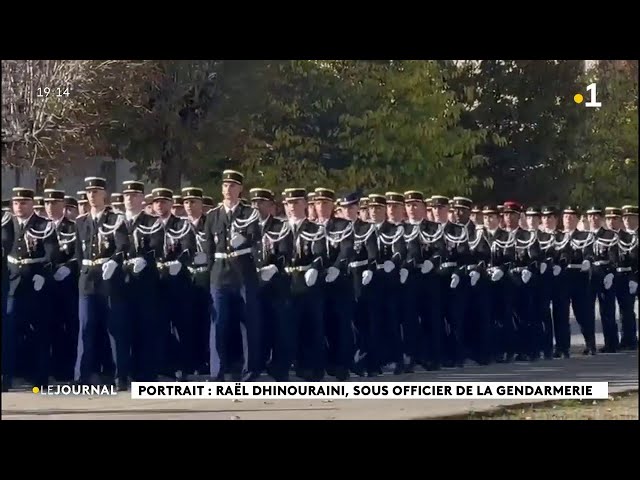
{"x":54,"y":209}
{"x":613,"y":223}
{"x":377,"y":213}
{"x":511,"y":220}
{"x":364,"y":214}
{"x":71,"y":213}
{"x":22,"y":208}
{"x":83,"y":208}
{"x":231,"y":191}
{"x":311,"y":211}
{"x":324,"y":208}
{"x":476,"y":218}
{"x":193,"y":207}
{"x":441,"y":213}
{"x":162,"y":207}
{"x":395,"y":212}
{"x":178,"y":210}
{"x":533,"y":222}
{"x":350,"y":212}
{"x":415,"y":210}
{"x":297,"y":208}
{"x":630,"y":222}
{"x":570,"y":221}
{"x":595,"y":221}
{"x":549,"y":222}
{"x":429,"y":214}
{"x":263,"y":207}
{"x":462,"y":215}
{"x":96,"y":197}
{"x":133,"y":201}
{"x":493,"y":221}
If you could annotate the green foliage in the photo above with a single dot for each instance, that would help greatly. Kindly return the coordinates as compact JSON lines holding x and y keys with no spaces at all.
{"x":607,"y":168}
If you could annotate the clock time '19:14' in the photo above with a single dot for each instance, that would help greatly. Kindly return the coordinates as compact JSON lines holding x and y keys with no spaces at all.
{"x":58,"y":91}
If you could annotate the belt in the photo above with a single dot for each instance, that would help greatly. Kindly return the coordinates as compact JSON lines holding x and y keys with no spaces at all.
{"x":574,"y":266}
{"x":380,"y":266}
{"x":93,"y":263}
{"x":297,"y":269}
{"x":25,"y":261}
{"x":198,"y":269}
{"x":162,"y":265}
{"x":448,"y":264}
{"x":623,"y":269}
{"x":471,"y":267}
{"x":601,"y":262}
{"x":519,"y":269}
{"x":237,"y":253}
{"x":359,"y":263}
{"x":493,"y":269}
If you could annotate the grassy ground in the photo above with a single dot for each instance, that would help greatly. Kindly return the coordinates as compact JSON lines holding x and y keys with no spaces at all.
{"x":618,"y":407}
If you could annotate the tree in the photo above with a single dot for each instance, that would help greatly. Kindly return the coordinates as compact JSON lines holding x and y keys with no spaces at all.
{"x":533,"y":125}
{"x":57,"y":111}
{"x":361,"y":125}
{"x":606,"y":171}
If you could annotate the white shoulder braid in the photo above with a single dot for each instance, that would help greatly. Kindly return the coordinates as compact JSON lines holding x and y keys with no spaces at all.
{"x":6,"y":218}
{"x":275,"y":237}
{"x":337,"y":237}
{"x":242,"y":223}
{"x":41,"y":234}
{"x":359,"y":239}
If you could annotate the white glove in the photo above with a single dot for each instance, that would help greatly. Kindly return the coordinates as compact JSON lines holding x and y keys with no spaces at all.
{"x":388,"y":266}
{"x":266,"y":273}
{"x":310,"y":277}
{"x":608,"y":281}
{"x":474,"y":276}
{"x":543,"y":268}
{"x":200,"y":258}
{"x":586,"y":265}
{"x":237,"y":240}
{"x":526,"y":276}
{"x":427,"y":266}
{"x":455,"y":280}
{"x":404,"y":273}
{"x":556,"y":270}
{"x":332,"y":274}
{"x":367,"y":275}
{"x":174,"y":268}
{"x":108,"y":269}
{"x":38,"y":282}
{"x":633,"y":287}
{"x":62,"y":273}
{"x":497,"y":275}
{"x":138,"y":264}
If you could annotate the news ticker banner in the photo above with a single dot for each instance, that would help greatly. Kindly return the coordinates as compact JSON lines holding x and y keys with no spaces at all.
{"x":371,"y":390}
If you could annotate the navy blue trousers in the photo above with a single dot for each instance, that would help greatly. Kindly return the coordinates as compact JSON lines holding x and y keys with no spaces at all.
{"x":64,"y":327}
{"x":97,"y":312}
{"x":338,"y":322}
{"x":27,"y":310}
{"x":222,"y":326}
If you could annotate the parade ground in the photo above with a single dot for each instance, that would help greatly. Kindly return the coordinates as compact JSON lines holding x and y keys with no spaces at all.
{"x":619,"y":369}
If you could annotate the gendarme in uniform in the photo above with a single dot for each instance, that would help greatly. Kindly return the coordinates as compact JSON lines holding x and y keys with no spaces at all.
{"x":231,"y":232}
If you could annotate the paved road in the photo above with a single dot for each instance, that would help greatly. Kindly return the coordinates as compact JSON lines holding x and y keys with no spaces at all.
{"x":620,"y":370}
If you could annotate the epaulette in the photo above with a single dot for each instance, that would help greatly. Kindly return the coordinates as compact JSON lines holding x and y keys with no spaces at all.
{"x":82,"y":215}
{"x":6,"y":218}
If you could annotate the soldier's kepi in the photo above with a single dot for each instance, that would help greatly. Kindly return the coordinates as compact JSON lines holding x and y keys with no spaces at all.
{"x":231,"y":232}
{"x":64,"y":325}
{"x":337,"y":289}
{"x":101,"y":245}
{"x":31,"y":246}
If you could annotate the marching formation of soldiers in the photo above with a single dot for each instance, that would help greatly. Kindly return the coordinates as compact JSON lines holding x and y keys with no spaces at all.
{"x":163,"y":285}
